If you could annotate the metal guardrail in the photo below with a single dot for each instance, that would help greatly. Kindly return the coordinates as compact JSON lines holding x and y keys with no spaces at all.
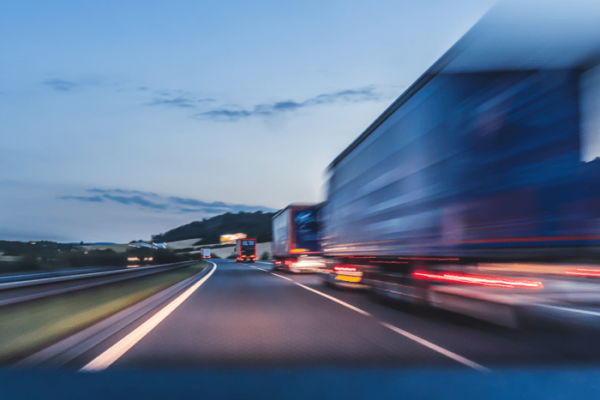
{"x":120,"y":277}
{"x":43,"y":281}
{"x":61,"y":353}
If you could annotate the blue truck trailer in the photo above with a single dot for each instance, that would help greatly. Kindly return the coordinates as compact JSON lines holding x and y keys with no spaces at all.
{"x":491,"y":155}
{"x":296,"y":238}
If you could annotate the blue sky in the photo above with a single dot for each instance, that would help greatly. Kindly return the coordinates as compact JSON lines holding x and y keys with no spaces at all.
{"x":122,"y":119}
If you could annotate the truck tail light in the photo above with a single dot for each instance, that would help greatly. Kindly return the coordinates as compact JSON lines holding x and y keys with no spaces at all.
{"x":345,"y":268}
{"x":479,"y":280}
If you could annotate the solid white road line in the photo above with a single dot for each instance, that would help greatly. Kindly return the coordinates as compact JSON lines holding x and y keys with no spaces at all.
{"x":573,"y":310}
{"x":437,"y":348}
{"x":404,"y":333}
{"x":262,"y":269}
{"x":111,"y":355}
{"x":358,"y":310}
{"x":282,"y":277}
{"x":274,"y":274}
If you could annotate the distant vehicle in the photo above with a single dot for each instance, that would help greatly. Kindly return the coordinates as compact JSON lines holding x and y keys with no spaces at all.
{"x":295,"y":246}
{"x":205,"y":252}
{"x":245,"y":250}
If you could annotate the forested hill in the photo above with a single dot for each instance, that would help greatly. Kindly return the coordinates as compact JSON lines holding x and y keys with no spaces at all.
{"x":256,"y":225}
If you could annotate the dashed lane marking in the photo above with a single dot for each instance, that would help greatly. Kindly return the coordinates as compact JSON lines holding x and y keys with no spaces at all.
{"x":415,"y":338}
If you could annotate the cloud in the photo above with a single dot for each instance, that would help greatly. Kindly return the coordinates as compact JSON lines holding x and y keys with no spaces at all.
{"x":29,"y":235}
{"x":197,"y":203}
{"x":136,"y":200}
{"x":227,"y":114}
{"x":121,"y":191}
{"x":175,"y":102}
{"x":157,"y":203}
{"x":64,"y":85}
{"x":177,"y":98}
{"x":346,"y":96}
{"x":60,"y":85}
{"x":90,"y":199}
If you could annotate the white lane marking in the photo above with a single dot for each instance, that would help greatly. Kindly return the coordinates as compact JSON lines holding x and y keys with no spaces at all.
{"x":358,"y":310}
{"x":262,"y":269}
{"x":282,"y":277}
{"x":437,"y":348}
{"x":574,"y":310}
{"x":277,"y":275}
{"x":111,"y":355}
{"x":404,"y":333}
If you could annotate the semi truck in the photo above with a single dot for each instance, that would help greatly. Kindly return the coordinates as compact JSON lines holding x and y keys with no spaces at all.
{"x":491,"y":156}
{"x":205,"y":252}
{"x":245,"y":250}
{"x":296,"y":242}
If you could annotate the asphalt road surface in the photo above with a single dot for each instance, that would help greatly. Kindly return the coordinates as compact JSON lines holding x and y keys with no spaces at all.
{"x":246,"y":316}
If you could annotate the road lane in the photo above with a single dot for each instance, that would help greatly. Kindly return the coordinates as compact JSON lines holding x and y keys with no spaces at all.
{"x":248,"y":316}
{"x":244,"y":317}
{"x":481,"y":342}
{"x":402,"y":332}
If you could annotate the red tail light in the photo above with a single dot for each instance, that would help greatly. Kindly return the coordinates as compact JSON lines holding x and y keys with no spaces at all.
{"x":289,"y":262}
{"x":584,"y":272}
{"x":345,"y":268}
{"x":479,"y":280}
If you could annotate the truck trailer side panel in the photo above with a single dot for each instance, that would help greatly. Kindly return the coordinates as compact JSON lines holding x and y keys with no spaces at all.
{"x":486,"y":163}
{"x":296,"y":231}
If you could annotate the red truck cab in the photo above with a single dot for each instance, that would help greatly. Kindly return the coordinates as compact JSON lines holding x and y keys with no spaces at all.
{"x":245,"y":250}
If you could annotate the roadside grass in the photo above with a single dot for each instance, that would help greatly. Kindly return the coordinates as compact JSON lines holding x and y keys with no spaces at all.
{"x":29,"y":326}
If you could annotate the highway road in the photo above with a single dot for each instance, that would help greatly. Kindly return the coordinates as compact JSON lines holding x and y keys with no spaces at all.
{"x":246,"y":316}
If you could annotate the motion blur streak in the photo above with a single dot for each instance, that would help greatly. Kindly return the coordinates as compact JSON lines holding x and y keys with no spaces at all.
{"x":345,"y":268}
{"x":111,"y":355}
{"x":584,"y":272}
{"x":390,"y":262}
{"x":480,"y":280}
{"x":428,"y":259}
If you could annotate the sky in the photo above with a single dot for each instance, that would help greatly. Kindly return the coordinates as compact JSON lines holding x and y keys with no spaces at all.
{"x":123,"y":119}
